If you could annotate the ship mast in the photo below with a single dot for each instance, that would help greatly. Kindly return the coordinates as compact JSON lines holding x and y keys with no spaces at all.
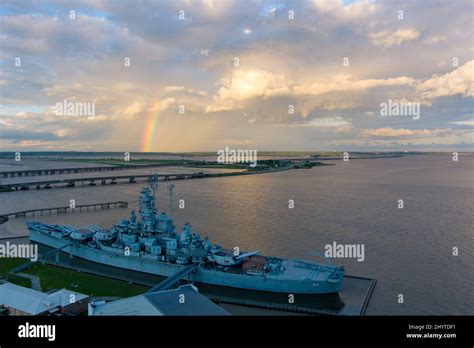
{"x":154,"y":184}
{"x":170,"y":189}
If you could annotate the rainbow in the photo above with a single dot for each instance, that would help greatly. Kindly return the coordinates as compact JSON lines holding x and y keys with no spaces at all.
{"x":150,"y":128}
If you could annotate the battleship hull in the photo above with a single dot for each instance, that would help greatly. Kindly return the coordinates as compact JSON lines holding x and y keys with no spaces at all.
{"x":201,"y":275}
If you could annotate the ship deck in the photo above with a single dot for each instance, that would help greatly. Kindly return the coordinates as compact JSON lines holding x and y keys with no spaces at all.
{"x":255,"y":262}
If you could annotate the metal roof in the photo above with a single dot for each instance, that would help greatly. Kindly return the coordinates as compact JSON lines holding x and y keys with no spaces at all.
{"x":168,"y":302}
{"x":185,"y":300}
{"x":32,"y":301}
{"x":136,"y":305}
{"x":65,"y":297}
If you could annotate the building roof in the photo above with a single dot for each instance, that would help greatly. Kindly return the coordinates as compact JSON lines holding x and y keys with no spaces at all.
{"x":168,"y":302}
{"x":65,"y":297}
{"x":32,"y":301}
{"x":136,"y":305}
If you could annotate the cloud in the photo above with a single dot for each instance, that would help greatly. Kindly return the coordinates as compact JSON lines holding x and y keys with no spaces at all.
{"x":351,"y":11}
{"x":254,"y":83}
{"x":132,"y":110}
{"x":165,"y":103}
{"x":323,"y":122}
{"x":24,"y":115}
{"x":170,"y":89}
{"x":35,"y":144}
{"x":403,"y":132}
{"x":190,"y":63}
{"x":342,"y":83}
{"x":435,"y":39}
{"x":62,"y":132}
{"x":459,"y":81}
{"x":387,"y":38}
{"x":6,"y":123}
{"x":464,"y":123}
{"x":247,"y":84}
{"x":18,"y":135}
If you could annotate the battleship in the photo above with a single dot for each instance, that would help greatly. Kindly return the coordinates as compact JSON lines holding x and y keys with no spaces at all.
{"x":151,"y":244}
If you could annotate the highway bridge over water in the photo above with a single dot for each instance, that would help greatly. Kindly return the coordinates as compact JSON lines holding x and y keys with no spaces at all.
{"x":92,"y":181}
{"x":75,"y":170}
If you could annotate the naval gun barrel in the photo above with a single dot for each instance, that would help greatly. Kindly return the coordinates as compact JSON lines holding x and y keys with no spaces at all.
{"x":244,"y":255}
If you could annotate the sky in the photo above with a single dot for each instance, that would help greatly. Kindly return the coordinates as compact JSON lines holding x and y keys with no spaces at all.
{"x":196,"y":75}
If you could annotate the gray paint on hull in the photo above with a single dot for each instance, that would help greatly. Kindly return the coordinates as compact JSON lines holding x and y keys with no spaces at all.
{"x":213,"y":277}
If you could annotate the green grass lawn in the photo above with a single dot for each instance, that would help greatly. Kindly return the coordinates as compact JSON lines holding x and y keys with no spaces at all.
{"x":14,"y":279}
{"x":53,"y":277}
{"x":6,"y":264}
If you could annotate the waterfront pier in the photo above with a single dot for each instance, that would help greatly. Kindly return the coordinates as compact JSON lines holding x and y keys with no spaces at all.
{"x":63,"y":210}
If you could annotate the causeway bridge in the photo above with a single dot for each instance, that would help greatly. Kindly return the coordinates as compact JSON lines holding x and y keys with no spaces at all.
{"x":75,"y":170}
{"x":92,"y":181}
